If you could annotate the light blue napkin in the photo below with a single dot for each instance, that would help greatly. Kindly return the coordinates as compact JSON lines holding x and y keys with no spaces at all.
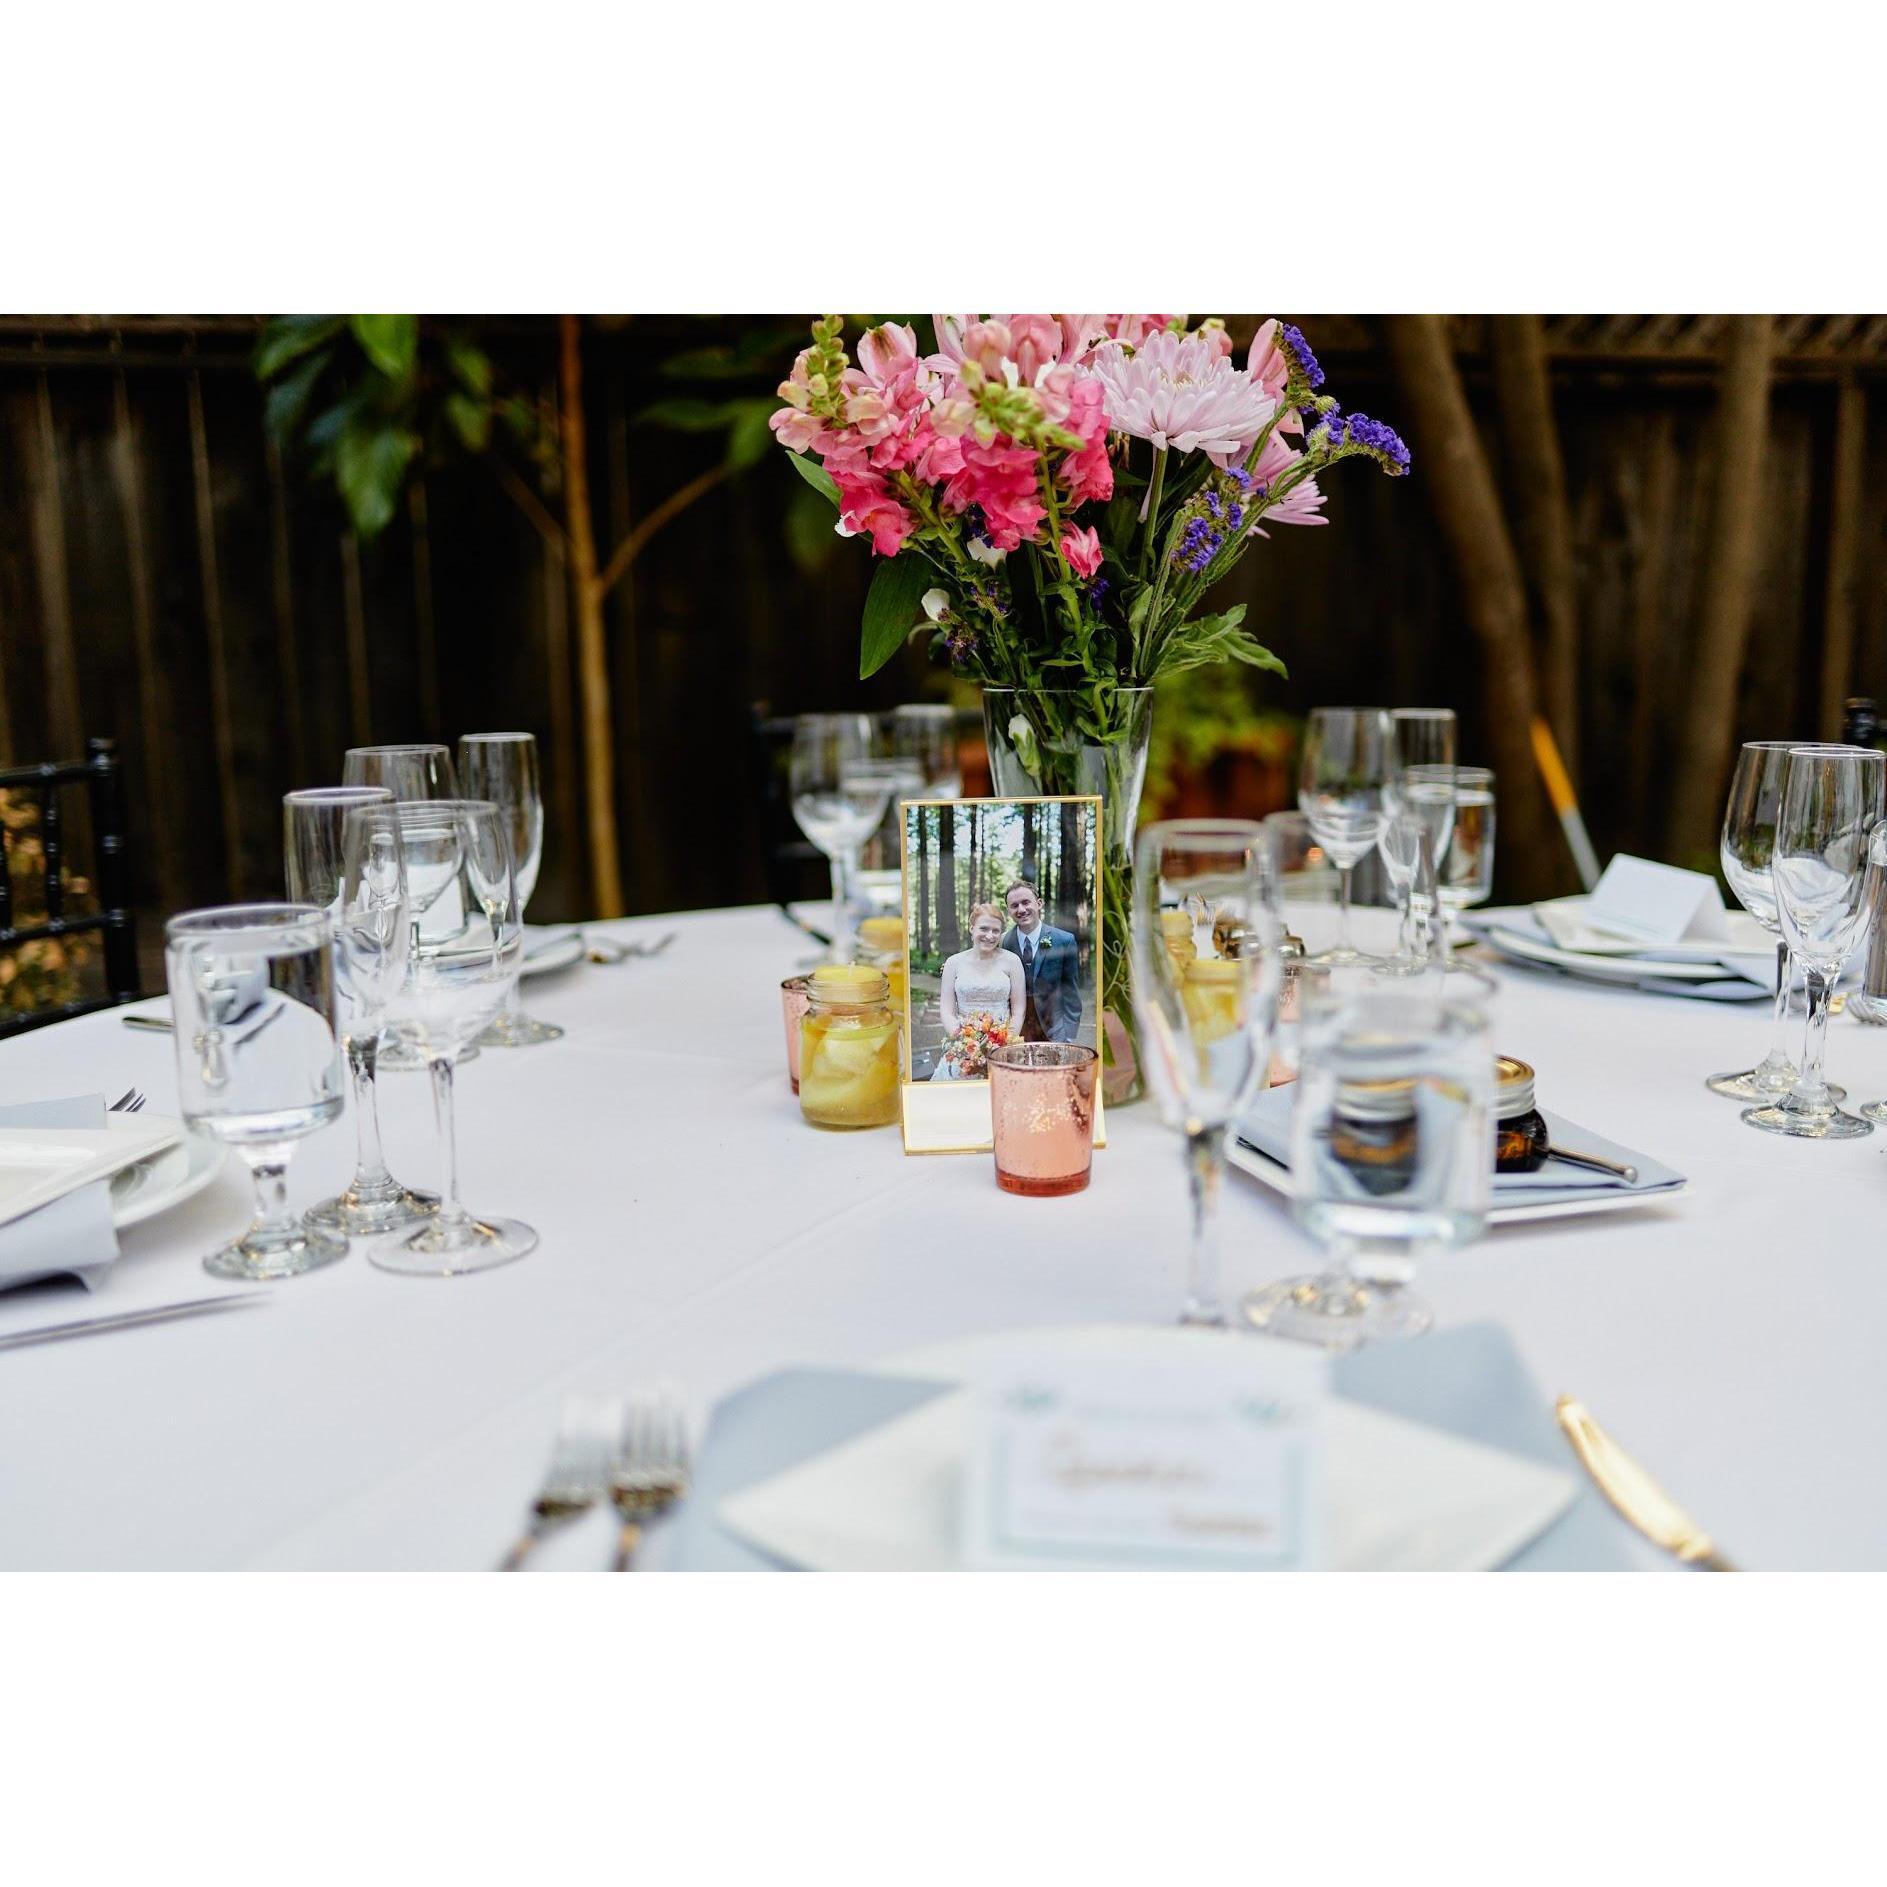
{"x":1469,"y":1382}
{"x":1266,"y":1128}
{"x":73,"y":1235}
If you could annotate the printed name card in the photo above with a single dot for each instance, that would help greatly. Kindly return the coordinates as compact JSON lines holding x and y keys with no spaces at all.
{"x":1657,"y":904}
{"x":1097,"y":1465}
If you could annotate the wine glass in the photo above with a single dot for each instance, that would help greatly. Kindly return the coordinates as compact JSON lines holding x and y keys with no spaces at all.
{"x":1206,"y":1011}
{"x":1746,"y":850}
{"x":1392,"y":1149}
{"x":840,"y":792}
{"x":1467,"y":873}
{"x":1831,"y":800}
{"x":503,"y":769}
{"x":454,"y":986}
{"x":342,"y":852}
{"x":1421,"y":808}
{"x":413,"y":770}
{"x":258,"y":1060}
{"x":1348,"y":758}
{"x":925,"y":733}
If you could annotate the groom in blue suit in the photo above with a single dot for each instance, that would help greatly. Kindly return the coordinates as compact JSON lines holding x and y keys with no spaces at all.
{"x":1051,"y":961}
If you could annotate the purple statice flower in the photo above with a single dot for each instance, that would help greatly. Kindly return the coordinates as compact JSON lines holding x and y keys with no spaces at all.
{"x":1214,"y":516}
{"x":1357,"y":432}
{"x":1097,"y":591}
{"x":1297,"y":351}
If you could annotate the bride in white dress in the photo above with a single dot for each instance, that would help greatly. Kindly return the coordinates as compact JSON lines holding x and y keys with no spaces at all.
{"x":985,"y":978}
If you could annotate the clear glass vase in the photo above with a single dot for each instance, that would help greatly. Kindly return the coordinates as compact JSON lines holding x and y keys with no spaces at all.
{"x":1061,"y":743}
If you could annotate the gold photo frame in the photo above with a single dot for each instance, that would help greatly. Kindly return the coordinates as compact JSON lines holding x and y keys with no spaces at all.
{"x":944,"y":1113}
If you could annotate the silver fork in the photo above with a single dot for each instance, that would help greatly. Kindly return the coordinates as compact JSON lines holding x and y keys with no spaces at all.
{"x":617,"y":950}
{"x":579,"y":1471}
{"x":651,"y":1470}
{"x":127,"y":1103}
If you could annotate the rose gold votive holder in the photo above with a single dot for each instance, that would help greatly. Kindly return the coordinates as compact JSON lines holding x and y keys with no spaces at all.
{"x":795,"y":999}
{"x":1041,"y":1101}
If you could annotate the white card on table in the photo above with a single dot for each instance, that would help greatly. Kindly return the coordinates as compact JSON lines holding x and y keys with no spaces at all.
{"x":1081,"y":1464}
{"x":1657,"y":904}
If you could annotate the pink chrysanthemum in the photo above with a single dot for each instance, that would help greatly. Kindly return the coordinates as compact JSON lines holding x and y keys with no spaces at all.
{"x":1183,"y":395}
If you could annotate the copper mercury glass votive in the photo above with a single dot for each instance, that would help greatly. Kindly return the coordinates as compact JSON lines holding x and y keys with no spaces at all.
{"x":795,"y":995}
{"x":1041,"y":1102}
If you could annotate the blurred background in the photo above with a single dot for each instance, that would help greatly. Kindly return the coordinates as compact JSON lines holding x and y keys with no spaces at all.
{"x":237,"y":546}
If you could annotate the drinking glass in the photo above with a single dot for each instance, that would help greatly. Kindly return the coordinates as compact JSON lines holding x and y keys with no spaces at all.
{"x":1421,"y":806}
{"x":413,"y":770}
{"x":454,"y":986}
{"x":1831,"y":800}
{"x":1392,"y":1149}
{"x":925,"y":733}
{"x":1745,"y":851}
{"x":503,"y":769}
{"x":1206,"y":1019}
{"x":258,"y":1060}
{"x":1467,"y":874}
{"x":1348,"y":758}
{"x":1305,"y":875}
{"x":342,"y":852}
{"x":840,"y":792}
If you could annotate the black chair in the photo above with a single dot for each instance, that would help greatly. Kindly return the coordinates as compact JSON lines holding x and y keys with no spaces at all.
{"x":100,"y":773}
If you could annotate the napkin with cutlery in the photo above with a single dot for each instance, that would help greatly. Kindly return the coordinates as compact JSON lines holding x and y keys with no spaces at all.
{"x":72,"y":1234}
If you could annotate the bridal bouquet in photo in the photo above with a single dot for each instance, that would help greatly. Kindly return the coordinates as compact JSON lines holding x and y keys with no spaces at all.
{"x":967,"y":1051}
{"x":1052,"y":499}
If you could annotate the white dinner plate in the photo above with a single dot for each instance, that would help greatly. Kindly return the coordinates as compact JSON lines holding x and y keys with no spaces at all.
{"x":1609,"y":969}
{"x":155,"y":1185}
{"x":547,"y":951}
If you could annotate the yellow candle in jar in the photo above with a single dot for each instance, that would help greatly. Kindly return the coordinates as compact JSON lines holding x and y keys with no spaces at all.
{"x":1214,"y":994}
{"x":849,"y":1061}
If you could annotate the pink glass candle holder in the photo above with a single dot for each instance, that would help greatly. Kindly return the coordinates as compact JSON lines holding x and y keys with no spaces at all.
{"x":795,"y":998}
{"x":1041,"y":1100}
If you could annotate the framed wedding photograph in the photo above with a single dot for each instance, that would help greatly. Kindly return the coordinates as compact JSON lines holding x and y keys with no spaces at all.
{"x":1002,"y":925}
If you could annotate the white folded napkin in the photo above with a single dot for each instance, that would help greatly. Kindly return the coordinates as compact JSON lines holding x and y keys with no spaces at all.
{"x":71,"y":1235}
{"x":1403,"y":1497}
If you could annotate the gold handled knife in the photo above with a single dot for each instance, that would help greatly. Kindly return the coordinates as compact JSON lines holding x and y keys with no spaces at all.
{"x":1634,"y":1493}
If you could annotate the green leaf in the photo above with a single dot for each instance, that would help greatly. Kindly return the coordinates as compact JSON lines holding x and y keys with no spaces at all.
{"x":810,"y":538}
{"x":288,"y":337}
{"x":470,"y":419}
{"x":390,"y":341}
{"x":816,"y":476}
{"x":470,"y":365}
{"x":750,"y":438}
{"x":370,"y":467}
{"x":288,"y":399}
{"x":893,"y":608}
{"x":693,"y":415}
{"x":760,"y":350}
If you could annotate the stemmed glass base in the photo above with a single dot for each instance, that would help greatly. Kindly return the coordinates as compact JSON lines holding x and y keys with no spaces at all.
{"x":514,"y":1029}
{"x":1337,"y":1312}
{"x":1803,"y":1118}
{"x":1874,"y":1110}
{"x":373,"y":1211}
{"x":450,"y":1248}
{"x":1763,"y":1084}
{"x":263,"y":1254}
{"x":405,"y":1059}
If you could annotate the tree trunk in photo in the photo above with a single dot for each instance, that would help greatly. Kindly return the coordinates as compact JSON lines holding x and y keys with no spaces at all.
{"x":1707,"y":733}
{"x":599,"y":752}
{"x":1452,"y":469}
{"x":921,"y":915}
{"x":947,"y":881}
{"x":1028,"y":843}
{"x":1524,"y":396}
{"x":1072,"y":882}
{"x":976,"y":864}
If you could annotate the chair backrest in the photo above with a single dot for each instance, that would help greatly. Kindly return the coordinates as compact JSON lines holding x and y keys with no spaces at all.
{"x":101,"y":776}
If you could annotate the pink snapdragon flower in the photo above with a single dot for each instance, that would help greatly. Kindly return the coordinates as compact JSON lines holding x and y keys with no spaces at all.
{"x":1088,"y":472}
{"x":1000,"y":478}
{"x":1134,"y":328}
{"x":1082,"y":550}
{"x":1184,"y":396}
{"x":797,"y":427}
{"x":1031,"y":341}
{"x":868,"y":507}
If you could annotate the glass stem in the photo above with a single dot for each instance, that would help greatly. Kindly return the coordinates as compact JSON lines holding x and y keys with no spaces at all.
{"x":1810,"y":1090}
{"x":1778,"y":1056}
{"x":1205,"y":1147}
{"x":363,"y":1056}
{"x":1343,"y":905}
{"x":844,"y":869}
{"x":451,"y":1212}
{"x":275,"y":1223}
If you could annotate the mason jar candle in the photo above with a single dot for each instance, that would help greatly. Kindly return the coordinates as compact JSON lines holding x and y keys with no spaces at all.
{"x":848,"y":1049}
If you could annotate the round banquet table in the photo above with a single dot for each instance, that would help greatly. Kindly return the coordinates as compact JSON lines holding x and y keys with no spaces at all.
{"x":695,"y":1230}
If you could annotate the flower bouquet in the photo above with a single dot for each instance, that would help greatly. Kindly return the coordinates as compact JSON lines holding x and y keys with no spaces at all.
{"x":967,"y":1051}
{"x":1053,"y":498}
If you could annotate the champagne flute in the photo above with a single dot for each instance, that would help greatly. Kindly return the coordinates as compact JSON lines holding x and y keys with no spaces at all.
{"x":840,"y":792}
{"x":1206,"y":1017}
{"x":410,"y":770}
{"x":1831,"y":801}
{"x":1347,"y":760}
{"x":503,"y":769}
{"x":1746,"y":850}
{"x":342,"y":852}
{"x":455,"y":984}
{"x":258,"y":1061}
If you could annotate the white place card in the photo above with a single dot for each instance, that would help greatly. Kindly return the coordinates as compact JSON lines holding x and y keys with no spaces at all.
{"x":1080,"y":1464}
{"x":1657,"y":904}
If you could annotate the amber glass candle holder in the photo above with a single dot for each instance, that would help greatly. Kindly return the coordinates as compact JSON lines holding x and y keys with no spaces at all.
{"x":1041,"y":1103}
{"x":795,"y":997}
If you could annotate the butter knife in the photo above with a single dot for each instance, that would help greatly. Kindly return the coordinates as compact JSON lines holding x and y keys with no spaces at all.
{"x":124,"y":1319}
{"x":1638,"y":1498}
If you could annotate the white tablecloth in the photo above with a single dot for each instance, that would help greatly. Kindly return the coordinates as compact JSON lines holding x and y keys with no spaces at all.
{"x":693,"y":1228}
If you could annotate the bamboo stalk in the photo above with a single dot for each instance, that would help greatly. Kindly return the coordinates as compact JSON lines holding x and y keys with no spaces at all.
{"x":55,"y":593}
{"x":282,"y":597}
{"x":354,"y":618}
{"x":222,"y":723}
{"x":1844,"y":531}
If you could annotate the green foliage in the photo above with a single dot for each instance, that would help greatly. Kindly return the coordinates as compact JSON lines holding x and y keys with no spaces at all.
{"x":1206,"y":712}
{"x":894,"y":608}
{"x":391,"y":342}
{"x":816,"y":476}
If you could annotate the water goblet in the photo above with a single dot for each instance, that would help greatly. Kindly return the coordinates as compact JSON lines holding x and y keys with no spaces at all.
{"x":342,"y":852}
{"x":408,"y":770}
{"x":1348,"y":758}
{"x":1392,"y":1149}
{"x":1206,"y":1014}
{"x":454,"y":986}
{"x":258,"y":1061}
{"x":1421,"y":805}
{"x":840,"y":792}
{"x":503,"y":769}
{"x":1831,"y":801}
